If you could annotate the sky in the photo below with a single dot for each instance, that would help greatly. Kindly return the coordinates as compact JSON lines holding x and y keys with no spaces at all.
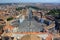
{"x":31,"y":1}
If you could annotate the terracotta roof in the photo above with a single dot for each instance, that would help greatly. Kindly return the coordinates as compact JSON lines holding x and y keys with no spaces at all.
{"x":8,"y":34}
{"x":30,"y":32}
{"x":8,"y":27}
{"x":49,"y":37}
{"x":31,"y":36}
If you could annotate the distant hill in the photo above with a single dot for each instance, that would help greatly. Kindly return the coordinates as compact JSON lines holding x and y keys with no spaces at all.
{"x":39,"y":5}
{"x":8,"y":3}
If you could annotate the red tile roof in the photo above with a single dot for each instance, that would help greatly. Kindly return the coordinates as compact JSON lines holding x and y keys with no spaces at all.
{"x":8,"y":27}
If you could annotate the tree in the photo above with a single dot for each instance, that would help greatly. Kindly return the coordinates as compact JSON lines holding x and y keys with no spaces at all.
{"x":10,"y":18}
{"x":54,"y":13}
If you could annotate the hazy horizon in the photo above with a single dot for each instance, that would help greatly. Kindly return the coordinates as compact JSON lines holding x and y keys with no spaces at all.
{"x":29,"y":1}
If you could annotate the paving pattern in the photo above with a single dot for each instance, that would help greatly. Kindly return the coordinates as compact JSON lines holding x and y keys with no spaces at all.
{"x":30,"y":26}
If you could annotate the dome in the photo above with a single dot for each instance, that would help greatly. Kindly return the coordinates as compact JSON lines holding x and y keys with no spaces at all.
{"x":31,"y":37}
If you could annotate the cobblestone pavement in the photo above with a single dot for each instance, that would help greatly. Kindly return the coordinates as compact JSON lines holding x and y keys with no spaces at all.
{"x":30,"y":26}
